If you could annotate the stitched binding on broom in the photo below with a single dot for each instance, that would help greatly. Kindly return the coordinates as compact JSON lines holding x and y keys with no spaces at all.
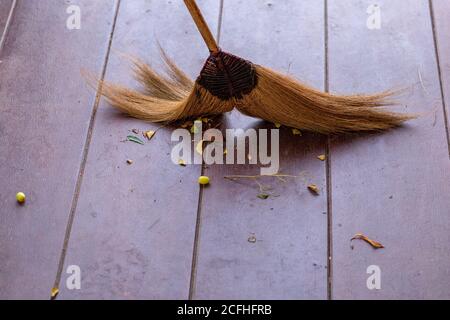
{"x":227,"y":76}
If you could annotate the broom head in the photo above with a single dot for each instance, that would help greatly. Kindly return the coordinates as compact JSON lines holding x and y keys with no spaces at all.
{"x":227,"y":82}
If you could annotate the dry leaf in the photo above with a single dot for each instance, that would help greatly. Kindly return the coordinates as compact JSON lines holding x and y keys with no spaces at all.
{"x":322,"y":157}
{"x":313,"y":188}
{"x":296,"y":132}
{"x":54,"y":293}
{"x":263,"y":196}
{"x":149,"y":134}
{"x":186,"y":124}
{"x":199,"y":147}
{"x":373,"y":243}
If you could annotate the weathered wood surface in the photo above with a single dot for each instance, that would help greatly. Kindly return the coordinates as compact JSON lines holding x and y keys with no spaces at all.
{"x":393,"y":187}
{"x":45,"y":109}
{"x":289,"y":258}
{"x":134,"y":226}
{"x":441,"y":15}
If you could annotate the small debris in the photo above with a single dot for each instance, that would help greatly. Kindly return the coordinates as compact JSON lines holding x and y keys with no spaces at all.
{"x":135,"y":131}
{"x":314,"y":189}
{"x":199,"y":147}
{"x":263,"y":196}
{"x":373,"y":243}
{"x":187,"y":124}
{"x":130,"y":162}
{"x":194,"y":129}
{"x":149,"y":134}
{"x":54,"y":293}
{"x":296,"y":132}
{"x":252,"y":239}
{"x":277,"y":125}
{"x":135,"y":140}
{"x":205,"y":120}
{"x":322,"y":157}
{"x":20,"y":197}
{"x":225,"y":151}
{"x":182,"y":163}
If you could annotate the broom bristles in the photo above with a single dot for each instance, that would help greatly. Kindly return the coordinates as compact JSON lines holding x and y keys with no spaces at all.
{"x":282,"y":99}
{"x":276,"y":98}
{"x":166,"y":97}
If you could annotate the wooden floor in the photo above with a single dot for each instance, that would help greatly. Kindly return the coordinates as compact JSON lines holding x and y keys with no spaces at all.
{"x":147,"y":231}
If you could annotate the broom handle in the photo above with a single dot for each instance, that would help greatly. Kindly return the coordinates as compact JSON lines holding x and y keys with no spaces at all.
{"x":201,"y":25}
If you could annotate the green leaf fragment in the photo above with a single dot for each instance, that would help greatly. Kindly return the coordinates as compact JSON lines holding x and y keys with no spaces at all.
{"x":135,"y":140}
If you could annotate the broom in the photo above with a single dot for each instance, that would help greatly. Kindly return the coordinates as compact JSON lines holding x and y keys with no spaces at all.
{"x":227,"y":82}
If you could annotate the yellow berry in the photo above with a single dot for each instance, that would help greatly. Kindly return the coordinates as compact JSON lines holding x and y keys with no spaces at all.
{"x":203,"y":180}
{"x":20,"y":196}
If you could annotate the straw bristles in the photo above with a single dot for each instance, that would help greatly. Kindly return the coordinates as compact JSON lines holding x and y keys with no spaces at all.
{"x":282,"y":99}
{"x":165,"y":98}
{"x":276,"y":98}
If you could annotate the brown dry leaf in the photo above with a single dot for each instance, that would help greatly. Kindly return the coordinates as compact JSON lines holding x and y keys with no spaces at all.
{"x":149,"y":134}
{"x":187,"y":124}
{"x":373,"y":243}
{"x":314,"y":189}
{"x":296,"y":132}
{"x":322,"y":157}
{"x":54,"y":293}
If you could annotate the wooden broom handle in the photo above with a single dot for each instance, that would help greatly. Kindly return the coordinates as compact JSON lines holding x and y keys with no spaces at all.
{"x":202,"y":26}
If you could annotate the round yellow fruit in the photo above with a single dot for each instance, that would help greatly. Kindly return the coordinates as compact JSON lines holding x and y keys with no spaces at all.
{"x":203,"y":180}
{"x":20,"y":196}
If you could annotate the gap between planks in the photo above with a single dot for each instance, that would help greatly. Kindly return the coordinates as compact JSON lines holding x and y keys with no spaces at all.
{"x":328,"y":165}
{"x":86,"y":151}
{"x":438,"y":62}
{"x":7,"y":24}
{"x":200,"y":193}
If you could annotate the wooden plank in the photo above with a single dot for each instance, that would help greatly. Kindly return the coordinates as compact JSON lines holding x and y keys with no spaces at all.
{"x":45,"y":109}
{"x":394,"y":186}
{"x":441,"y":8}
{"x":289,"y":258}
{"x":134,"y":227}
